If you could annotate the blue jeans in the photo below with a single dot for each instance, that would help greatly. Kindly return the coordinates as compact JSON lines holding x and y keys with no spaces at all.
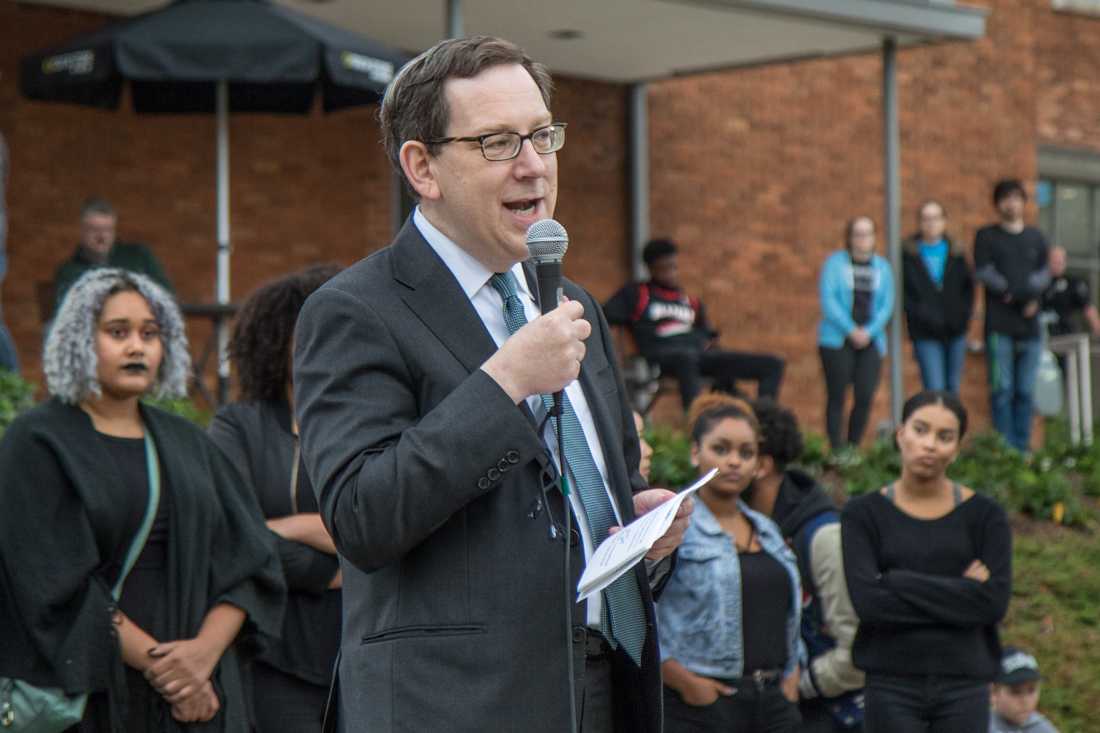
{"x":941,"y":362}
{"x":925,"y":705}
{"x":1013,"y":365}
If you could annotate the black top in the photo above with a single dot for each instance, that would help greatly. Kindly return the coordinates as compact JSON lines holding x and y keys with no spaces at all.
{"x":918,"y":614}
{"x":1066,"y":297}
{"x":257,"y":438}
{"x":68,"y":518}
{"x":129,"y":457}
{"x":660,"y":318}
{"x":766,"y":588}
{"x":863,"y":289}
{"x":1013,"y":268}
{"x":933,"y":312}
{"x":143,"y":599}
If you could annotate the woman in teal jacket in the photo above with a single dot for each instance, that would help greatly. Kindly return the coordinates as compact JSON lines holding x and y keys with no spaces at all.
{"x":857,"y":301}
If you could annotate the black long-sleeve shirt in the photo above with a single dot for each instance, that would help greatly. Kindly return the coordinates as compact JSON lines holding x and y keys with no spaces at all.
{"x":918,"y":614}
{"x":257,"y":438}
{"x":1013,"y":269}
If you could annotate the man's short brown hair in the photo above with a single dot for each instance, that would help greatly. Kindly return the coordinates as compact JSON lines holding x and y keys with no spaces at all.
{"x":415,"y":107}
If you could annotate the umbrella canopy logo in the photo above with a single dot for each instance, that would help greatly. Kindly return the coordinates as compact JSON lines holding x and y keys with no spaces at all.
{"x":76,"y":62}
{"x":376,"y":70}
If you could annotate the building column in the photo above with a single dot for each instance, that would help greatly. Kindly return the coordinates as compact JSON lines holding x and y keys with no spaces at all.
{"x":892,"y":171}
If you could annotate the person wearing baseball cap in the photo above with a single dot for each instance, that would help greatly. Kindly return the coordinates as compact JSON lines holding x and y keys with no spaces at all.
{"x":1016,"y":696}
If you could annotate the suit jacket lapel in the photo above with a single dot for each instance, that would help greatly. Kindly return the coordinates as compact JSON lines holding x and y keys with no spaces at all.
{"x":434,"y":295}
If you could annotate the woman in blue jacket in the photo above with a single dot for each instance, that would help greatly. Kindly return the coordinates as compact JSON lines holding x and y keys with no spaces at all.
{"x":728,"y":619}
{"x":857,"y":300}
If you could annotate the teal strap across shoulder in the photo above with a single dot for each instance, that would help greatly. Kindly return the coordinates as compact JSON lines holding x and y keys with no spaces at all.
{"x":152,"y":465}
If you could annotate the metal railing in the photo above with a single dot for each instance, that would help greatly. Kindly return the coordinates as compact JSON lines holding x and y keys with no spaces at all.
{"x":1077,"y":352}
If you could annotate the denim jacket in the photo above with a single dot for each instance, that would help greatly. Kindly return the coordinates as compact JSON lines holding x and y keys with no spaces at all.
{"x":699,"y":614}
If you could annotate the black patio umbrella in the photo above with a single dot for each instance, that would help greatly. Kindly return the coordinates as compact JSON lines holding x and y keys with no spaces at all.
{"x":215,"y":57}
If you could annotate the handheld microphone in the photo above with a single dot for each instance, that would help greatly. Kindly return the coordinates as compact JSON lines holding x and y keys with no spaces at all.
{"x":547,"y":242}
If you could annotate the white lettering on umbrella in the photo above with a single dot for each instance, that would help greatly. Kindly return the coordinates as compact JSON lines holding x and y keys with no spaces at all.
{"x":377,"y":69}
{"x":76,"y":62}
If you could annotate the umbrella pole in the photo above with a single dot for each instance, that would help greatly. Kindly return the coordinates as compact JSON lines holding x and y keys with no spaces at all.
{"x":223,"y":239}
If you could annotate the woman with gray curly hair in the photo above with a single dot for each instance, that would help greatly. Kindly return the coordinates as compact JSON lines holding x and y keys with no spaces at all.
{"x":132,"y":558}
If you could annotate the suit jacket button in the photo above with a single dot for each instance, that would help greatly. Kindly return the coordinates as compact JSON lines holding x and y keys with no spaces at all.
{"x":493,"y":474}
{"x":579,"y":634}
{"x":503,"y":465}
{"x":483,"y":483}
{"x":512,"y":457}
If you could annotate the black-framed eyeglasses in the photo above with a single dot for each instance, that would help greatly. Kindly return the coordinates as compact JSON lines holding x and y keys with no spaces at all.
{"x":497,"y":146}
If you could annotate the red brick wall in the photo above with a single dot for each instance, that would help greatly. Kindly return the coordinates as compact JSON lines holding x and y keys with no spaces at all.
{"x":755,"y":171}
{"x":752,"y":171}
{"x":303,"y":189}
{"x":1067,"y":58}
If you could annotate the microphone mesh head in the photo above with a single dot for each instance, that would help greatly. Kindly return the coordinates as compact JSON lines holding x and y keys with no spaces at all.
{"x":547,"y":241}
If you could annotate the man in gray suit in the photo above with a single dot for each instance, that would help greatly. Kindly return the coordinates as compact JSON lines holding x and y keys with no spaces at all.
{"x":418,"y":375}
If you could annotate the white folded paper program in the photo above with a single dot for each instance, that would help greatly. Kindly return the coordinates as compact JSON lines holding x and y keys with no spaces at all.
{"x":622,"y":550}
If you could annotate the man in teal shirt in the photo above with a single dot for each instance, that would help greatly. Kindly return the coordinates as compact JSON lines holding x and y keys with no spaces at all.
{"x":99,"y":248}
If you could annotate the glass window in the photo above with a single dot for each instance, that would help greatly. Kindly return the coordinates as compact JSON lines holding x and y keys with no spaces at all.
{"x":1044,"y":197}
{"x":1069,"y":216}
{"x":1073,"y":219}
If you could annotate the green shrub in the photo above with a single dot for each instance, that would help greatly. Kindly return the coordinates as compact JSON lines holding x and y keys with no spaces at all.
{"x":1049,"y":484}
{"x":183,"y":407}
{"x":16,"y":395}
{"x":671,"y":464}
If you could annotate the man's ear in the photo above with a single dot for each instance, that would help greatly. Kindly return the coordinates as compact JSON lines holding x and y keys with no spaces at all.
{"x":416,"y":163}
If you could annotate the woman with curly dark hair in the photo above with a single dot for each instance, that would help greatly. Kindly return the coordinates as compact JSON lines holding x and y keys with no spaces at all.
{"x":258,"y":433}
{"x":831,"y":688}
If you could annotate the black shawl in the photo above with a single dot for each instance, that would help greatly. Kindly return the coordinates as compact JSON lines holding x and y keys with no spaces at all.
{"x":62,"y":540}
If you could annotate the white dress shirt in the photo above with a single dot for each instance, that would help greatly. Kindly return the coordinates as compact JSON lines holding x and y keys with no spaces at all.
{"x":473,"y":278}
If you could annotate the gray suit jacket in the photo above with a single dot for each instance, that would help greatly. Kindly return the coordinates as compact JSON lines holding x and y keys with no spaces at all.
{"x":429,"y":479}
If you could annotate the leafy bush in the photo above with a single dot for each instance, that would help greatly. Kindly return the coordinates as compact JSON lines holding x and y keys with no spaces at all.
{"x":1049,"y":484}
{"x":671,"y":464}
{"x":16,"y":395}
{"x":183,"y":407}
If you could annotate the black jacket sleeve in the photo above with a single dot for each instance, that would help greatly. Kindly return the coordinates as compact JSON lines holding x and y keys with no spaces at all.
{"x":619,"y":309}
{"x":377,"y":464}
{"x":307,"y":570}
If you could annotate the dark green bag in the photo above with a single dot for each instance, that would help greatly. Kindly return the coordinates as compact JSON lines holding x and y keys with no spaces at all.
{"x":25,"y":708}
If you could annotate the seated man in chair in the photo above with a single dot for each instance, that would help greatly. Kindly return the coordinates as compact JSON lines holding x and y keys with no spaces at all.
{"x":671,"y":330}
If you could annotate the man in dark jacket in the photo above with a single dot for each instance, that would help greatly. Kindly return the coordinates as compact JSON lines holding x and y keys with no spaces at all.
{"x":1069,"y":299}
{"x":831,"y":688}
{"x":99,"y":247}
{"x":671,"y":330}
{"x":1010,"y":260}
{"x":418,"y":376}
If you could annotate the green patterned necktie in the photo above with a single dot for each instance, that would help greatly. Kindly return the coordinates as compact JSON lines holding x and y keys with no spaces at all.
{"x":623,"y":618}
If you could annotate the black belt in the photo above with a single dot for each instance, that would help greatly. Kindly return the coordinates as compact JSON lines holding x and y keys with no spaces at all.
{"x":595,"y":645}
{"x":759,"y":678}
